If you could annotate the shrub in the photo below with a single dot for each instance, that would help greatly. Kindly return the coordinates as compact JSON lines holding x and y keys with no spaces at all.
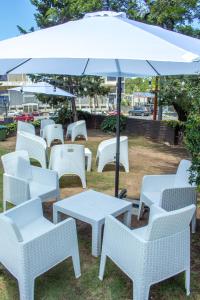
{"x":64,"y":115}
{"x":11,"y":128}
{"x":109,"y":123}
{"x":83,"y":115}
{"x":192,"y":141}
{"x":36,"y":123}
{"x":174,"y":124}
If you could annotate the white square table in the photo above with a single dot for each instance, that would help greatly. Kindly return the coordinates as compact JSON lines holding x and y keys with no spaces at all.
{"x":92,"y":207}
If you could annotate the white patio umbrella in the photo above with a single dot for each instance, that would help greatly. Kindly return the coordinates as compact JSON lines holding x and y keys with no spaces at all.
{"x":102,"y":43}
{"x":42,"y":88}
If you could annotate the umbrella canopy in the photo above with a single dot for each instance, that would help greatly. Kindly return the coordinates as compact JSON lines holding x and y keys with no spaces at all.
{"x":102,"y":43}
{"x":42,"y":88}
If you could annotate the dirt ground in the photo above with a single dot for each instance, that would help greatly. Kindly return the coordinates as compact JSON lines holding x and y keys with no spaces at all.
{"x":145,"y":157}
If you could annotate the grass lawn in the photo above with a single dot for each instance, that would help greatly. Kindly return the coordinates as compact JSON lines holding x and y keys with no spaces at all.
{"x":146,"y":157}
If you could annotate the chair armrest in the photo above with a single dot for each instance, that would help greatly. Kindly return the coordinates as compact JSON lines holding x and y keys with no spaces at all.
{"x":178,"y":197}
{"x":154,"y":211}
{"x":15,"y":189}
{"x":45,"y":176}
{"x":119,"y":238}
{"x":53,"y":246}
{"x":152,"y":183}
{"x":26,"y":212}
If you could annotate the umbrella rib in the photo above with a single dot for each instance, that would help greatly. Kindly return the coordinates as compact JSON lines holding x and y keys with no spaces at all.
{"x":85,"y":66}
{"x":19,"y":65}
{"x":153,"y":68}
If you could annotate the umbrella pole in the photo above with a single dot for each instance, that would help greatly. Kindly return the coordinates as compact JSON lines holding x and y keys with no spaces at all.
{"x":119,"y":97}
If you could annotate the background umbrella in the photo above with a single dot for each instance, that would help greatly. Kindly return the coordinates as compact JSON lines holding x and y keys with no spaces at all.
{"x":102,"y":43}
{"x":42,"y":88}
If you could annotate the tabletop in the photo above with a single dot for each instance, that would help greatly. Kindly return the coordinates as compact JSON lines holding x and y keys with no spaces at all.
{"x":92,"y":205}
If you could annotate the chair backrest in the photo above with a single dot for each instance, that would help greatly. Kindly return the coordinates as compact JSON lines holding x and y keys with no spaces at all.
{"x":10,"y":161}
{"x":52,"y":128}
{"x":67,"y":159}
{"x":169,"y":223}
{"x":81,"y":122}
{"x":111,"y":143}
{"x":45,"y":122}
{"x":26,"y":127}
{"x":182,"y":174}
{"x":35,"y":146}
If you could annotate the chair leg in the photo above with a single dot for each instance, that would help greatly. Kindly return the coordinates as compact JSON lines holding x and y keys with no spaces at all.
{"x":140,"y":291}
{"x":83,"y":181}
{"x":187,"y":281}
{"x":26,"y":289}
{"x":193,"y":223}
{"x":140,"y":209}
{"x":102,"y":265}
{"x":76,"y":263}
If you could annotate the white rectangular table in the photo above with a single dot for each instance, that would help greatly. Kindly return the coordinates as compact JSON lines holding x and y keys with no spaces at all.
{"x":92,"y":207}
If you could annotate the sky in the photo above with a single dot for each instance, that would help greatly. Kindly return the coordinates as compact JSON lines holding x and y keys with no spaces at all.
{"x":13,"y":13}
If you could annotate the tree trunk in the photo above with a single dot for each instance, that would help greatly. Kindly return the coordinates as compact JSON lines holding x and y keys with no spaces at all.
{"x":74,"y":111}
{"x":182,"y":114}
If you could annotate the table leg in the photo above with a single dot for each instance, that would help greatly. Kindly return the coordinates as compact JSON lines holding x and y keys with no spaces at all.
{"x":56,"y":216}
{"x":89,"y":163}
{"x":96,"y":239}
{"x":127,"y":218}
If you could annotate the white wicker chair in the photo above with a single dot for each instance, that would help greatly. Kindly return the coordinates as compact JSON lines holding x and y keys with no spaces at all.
{"x":77,"y":129}
{"x":30,"y":245}
{"x":21,"y":181}
{"x":43,"y":123}
{"x":169,"y":191}
{"x":106,"y":153}
{"x":26,"y":127}
{"x":68,"y":159}
{"x":34,"y":145}
{"x":152,"y":253}
{"x":53,"y":132}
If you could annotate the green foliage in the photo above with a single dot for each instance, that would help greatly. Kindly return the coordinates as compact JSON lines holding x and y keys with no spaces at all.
{"x":180,"y":92}
{"x":83,"y":115}
{"x":174,"y":124}
{"x":171,"y":14}
{"x":65,"y":115}
{"x":192,"y":141}
{"x":36,"y":123}
{"x":11,"y":128}
{"x":137,"y":85}
{"x":109,"y":123}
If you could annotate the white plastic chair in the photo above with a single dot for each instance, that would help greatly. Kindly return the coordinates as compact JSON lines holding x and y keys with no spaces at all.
{"x":68,"y":159}
{"x":152,"y":253}
{"x":106,"y":153}
{"x":169,"y":191}
{"x":53,"y":132}
{"x":26,"y":127}
{"x":43,"y":123}
{"x":30,"y":245}
{"x":21,"y":181}
{"x":77,"y":129}
{"x":34,"y":145}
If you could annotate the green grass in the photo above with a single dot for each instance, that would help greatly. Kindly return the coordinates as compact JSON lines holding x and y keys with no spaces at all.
{"x":59,"y":283}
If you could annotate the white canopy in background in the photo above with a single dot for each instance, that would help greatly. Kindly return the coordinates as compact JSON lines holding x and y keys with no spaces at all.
{"x":42,"y":88}
{"x":102,"y":43}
